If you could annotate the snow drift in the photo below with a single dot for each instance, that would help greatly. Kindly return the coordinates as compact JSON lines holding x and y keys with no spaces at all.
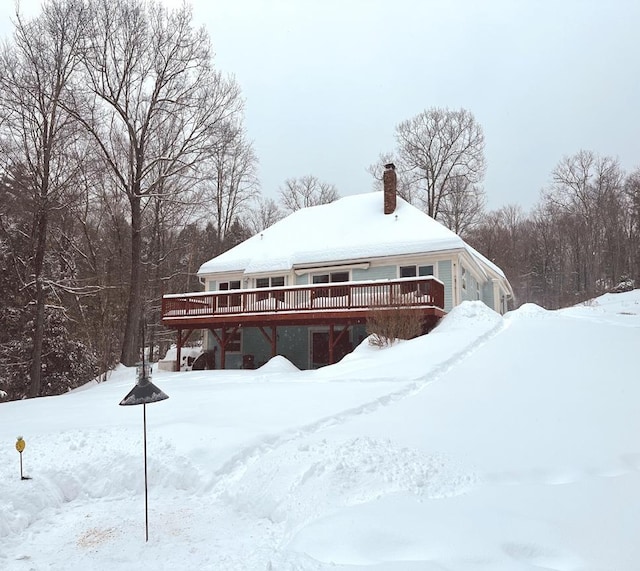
{"x":491,"y":443}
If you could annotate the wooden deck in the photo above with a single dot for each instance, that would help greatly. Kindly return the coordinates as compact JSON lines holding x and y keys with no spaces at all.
{"x":331,"y":304}
{"x":299,"y":304}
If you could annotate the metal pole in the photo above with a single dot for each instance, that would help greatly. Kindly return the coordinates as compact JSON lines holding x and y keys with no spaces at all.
{"x":146,"y":508}
{"x":21,"y":476}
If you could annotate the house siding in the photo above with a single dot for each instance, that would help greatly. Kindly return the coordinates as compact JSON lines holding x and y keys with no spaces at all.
{"x":254,"y":343}
{"x":445,"y":275}
{"x":374,"y":273}
{"x":487,"y":294}
{"x":293,"y":343}
{"x":470,"y":293}
{"x":232,"y":360}
{"x":302,"y":279}
{"x":359,"y":334}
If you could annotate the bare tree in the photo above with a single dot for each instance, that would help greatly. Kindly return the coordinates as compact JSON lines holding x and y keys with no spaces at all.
{"x":462,"y":205}
{"x":264,"y":213}
{"x":155,"y":108}
{"x":38,"y":136}
{"x":306,"y":191}
{"x":436,"y":147}
{"x":231,"y":181}
{"x":632,"y":193}
{"x":588,"y":190}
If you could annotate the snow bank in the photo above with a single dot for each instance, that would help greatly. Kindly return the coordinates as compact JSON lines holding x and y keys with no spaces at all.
{"x":503,"y":444}
{"x":278,"y":364}
{"x":469,"y":314}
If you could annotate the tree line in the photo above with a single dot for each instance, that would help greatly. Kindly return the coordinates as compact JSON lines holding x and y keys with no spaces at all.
{"x":581,"y":239}
{"x":125,"y":164}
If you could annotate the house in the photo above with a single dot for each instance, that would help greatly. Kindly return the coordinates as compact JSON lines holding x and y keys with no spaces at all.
{"x":304,"y":287}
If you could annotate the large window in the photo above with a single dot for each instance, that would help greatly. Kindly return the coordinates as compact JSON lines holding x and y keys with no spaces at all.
{"x":229,"y":300}
{"x":276,"y":281}
{"x":332,"y":277}
{"x":413,"y":271}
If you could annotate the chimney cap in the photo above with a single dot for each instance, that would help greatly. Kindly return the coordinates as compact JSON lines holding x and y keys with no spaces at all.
{"x":390,"y":166}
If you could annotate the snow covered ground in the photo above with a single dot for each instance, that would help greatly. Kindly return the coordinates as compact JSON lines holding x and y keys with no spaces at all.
{"x":490,"y":444}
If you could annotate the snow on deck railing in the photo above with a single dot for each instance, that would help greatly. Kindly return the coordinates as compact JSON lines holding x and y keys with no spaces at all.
{"x":404,"y":292}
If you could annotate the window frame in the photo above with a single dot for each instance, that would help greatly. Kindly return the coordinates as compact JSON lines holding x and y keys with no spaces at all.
{"x":230,"y":300}
{"x":268,"y":283}
{"x":235,"y":340}
{"x":333,"y":292}
{"x":419,"y":270}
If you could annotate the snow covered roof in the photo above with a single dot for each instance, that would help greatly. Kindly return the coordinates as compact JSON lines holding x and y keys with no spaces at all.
{"x":349,"y":229}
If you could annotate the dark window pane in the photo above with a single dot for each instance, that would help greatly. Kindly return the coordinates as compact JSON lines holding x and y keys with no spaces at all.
{"x":321,"y":279}
{"x":425,"y":271}
{"x":262,"y":282}
{"x":234,"y":344}
{"x":407,"y":271}
{"x":277,"y":281}
{"x":340,"y":277}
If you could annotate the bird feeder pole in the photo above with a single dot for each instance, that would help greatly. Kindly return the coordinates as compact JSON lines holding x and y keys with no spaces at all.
{"x":144,"y":392}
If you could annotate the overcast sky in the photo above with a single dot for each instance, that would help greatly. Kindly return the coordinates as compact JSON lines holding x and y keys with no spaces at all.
{"x":327,"y":81}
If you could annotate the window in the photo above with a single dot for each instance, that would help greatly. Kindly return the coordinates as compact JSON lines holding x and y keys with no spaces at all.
{"x":224,"y":286}
{"x":229,"y":300}
{"x":413,"y":271}
{"x":332,"y":277}
{"x":407,"y":271}
{"x":425,"y":270}
{"x":234,"y":341}
{"x":276,"y":281}
{"x":464,"y":279}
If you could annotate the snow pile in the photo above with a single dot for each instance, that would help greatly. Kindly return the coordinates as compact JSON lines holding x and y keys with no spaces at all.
{"x":278,"y":364}
{"x":491,"y":443}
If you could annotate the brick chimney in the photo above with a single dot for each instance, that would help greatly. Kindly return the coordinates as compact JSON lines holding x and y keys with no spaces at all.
{"x":390,"y":187}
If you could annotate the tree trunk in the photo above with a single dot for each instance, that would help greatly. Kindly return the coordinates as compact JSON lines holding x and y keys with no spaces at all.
{"x":38,"y":325}
{"x":131,"y":344}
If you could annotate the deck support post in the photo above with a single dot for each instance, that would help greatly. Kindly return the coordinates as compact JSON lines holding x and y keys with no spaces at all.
{"x":271,"y":339}
{"x":223,"y":349}
{"x":335,"y":339}
{"x":179,"y":344}
{"x":331,"y":344}
{"x":223,"y":340}
{"x":178,"y":349}
{"x":274,"y":341}
{"x":221,"y":344}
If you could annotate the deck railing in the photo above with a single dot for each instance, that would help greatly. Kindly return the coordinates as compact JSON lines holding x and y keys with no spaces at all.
{"x":406,"y":292}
